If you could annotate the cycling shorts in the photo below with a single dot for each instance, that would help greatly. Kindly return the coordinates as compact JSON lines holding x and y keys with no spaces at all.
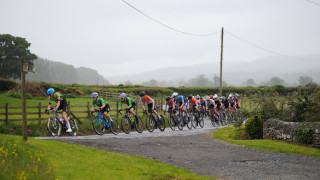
{"x":150,"y":107}
{"x":105,"y":109}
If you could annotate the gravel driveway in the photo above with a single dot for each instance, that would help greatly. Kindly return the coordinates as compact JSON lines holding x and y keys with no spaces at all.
{"x":198,"y":151}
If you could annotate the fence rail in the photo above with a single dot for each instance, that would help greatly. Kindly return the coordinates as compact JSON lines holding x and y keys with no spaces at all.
{"x":38,"y":110}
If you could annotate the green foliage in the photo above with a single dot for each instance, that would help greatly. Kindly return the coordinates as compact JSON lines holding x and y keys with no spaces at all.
{"x":280,"y":89}
{"x":12,"y":49}
{"x":19,"y":160}
{"x":232,"y":135}
{"x":254,"y":127}
{"x":7,"y":84}
{"x":18,"y":95}
{"x":304,"y":134}
{"x":69,"y":95}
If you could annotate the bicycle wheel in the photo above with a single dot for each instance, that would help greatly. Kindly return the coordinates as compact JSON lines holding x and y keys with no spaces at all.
{"x":114,"y":126}
{"x":213,"y":122}
{"x":150,"y":123}
{"x":162,"y":123}
{"x":188,"y":122}
{"x":98,"y":125}
{"x":179,"y":122}
{"x":171,"y":122}
{"x":73,"y":126}
{"x":194,"y":121}
{"x":201,"y":122}
{"x":126,"y":124}
{"x":53,"y":127}
{"x":139,"y":124}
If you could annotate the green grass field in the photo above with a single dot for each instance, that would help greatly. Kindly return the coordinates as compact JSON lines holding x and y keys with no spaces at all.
{"x":46,"y":159}
{"x":232,"y":135}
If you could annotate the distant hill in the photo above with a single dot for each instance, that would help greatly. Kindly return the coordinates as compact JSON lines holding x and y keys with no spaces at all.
{"x":57,"y":72}
{"x":236,"y":73}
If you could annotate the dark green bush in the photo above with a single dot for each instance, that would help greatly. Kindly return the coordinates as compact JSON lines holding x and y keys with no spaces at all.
{"x":254,"y":127}
{"x":304,"y":134}
{"x":7,"y":84}
{"x":18,"y":95}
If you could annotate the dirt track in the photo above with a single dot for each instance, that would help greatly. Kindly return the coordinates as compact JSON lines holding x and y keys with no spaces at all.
{"x":198,"y":151}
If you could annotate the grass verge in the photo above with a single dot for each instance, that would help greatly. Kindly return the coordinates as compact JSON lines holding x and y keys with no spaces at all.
{"x":232,"y":135}
{"x":69,"y":161}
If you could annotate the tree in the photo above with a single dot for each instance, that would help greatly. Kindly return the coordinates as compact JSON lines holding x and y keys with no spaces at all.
{"x":216,"y":81}
{"x":276,"y":81}
{"x":250,"y":82}
{"x":200,"y":81}
{"x":151,"y":83}
{"x":304,"y":80}
{"x":11,"y":50}
{"x":128,"y":82}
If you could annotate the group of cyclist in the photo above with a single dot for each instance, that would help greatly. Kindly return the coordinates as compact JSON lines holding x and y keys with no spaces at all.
{"x":210,"y":103}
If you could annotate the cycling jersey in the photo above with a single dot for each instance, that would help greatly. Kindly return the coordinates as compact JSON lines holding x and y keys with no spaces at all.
{"x":129,"y":101}
{"x":170,"y":103}
{"x":225,"y":103}
{"x":218,"y":103}
{"x":193,"y":101}
{"x":231,"y":101}
{"x":99,"y":102}
{"x":211,"y":102}
{"x":57,"y":97}
{"x":147,"y":100}
{"x":63,"y":102}
{"x":179,"y":100}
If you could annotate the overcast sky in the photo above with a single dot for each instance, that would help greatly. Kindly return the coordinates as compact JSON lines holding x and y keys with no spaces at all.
{"x":114,"y":39}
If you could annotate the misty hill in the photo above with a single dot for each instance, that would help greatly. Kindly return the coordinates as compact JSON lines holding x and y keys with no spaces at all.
{"x":57,"y":72}
{"x":236,"y":73}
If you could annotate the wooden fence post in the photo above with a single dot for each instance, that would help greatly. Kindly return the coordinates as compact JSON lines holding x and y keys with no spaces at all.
{"x":39,"y":107}
{"x":7,"y":111}
{"x":88,"y":109}
{"x":68,"y":109}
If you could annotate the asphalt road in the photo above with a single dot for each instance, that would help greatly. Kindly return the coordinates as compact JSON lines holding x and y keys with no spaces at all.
{"x":200,"y":152}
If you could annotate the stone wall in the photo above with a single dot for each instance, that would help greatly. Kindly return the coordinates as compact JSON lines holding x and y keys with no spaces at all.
{"x":285,"y":131}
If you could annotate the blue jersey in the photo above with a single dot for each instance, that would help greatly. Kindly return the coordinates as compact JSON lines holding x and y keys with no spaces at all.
{"x":179,"y":100}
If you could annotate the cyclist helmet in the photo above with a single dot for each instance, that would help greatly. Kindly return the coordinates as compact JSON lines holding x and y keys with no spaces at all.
{"x":168,"y":98}
{"x":211,"y":97}
{"x":215,"y":96}
{"x":198,"y":97}
{"x":50,"y":91}
{"x":230,"y":95}
{"x":94,"y":95}
{"x":174,"y":94}
{"x":207,"y":98}
{"x":236,"y":95}
{"x":190,"y":96}
{"x":142,"y":93}
{"x":122,"y":95}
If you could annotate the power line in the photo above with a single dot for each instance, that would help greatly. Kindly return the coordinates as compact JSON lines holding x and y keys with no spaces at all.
{"x":260,"y":47}
{"x":165,"y":24}
{"x":313,"y":2}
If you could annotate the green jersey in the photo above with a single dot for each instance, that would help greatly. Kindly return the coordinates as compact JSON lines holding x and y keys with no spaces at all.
{"x":128,"y":101}
{"x":99,"y":102}
{"x":57,"y":97}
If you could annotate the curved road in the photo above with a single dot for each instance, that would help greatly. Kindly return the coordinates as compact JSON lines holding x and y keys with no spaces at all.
{"x":198,"y":151}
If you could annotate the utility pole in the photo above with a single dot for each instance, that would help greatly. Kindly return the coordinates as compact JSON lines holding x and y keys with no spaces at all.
{"x":23,"y":92}
{"x":221,"y":57}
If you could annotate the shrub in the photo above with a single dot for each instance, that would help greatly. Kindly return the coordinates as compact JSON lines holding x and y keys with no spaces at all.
{"x":304,"y":134}
{"x":254,"y":127}
{"x":7,"y":84}
{"x":18,"y":95}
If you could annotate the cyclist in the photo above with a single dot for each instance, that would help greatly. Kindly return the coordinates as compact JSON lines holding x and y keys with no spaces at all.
{"x":180,"y":102}
{"x":104,"y":107}
{"x":193,"y":102}
{"x":236,"y":95}
{"x":145,"y":99}
{"x":169,"y":105}
{"x":61,"y":104}
{"x":232,"y":103}
{"x":131,"y":105}
{"x":226,"y":104}
{"x":209,"y":105}
{"x":217,"y":103}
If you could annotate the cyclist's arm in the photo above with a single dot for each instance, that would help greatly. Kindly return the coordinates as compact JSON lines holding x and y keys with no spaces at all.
{"x":130,"y":103}
{"x":182,"y":104}
{"x":103,"y":105}
{"x":58,"y":105}
{"x":152,"y":104}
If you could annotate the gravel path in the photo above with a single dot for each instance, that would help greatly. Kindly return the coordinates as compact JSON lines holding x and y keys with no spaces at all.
{"x":198,"y":151}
